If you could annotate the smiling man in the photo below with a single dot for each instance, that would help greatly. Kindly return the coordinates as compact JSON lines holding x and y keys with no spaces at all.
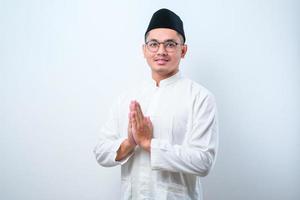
{"x":163,"y":133}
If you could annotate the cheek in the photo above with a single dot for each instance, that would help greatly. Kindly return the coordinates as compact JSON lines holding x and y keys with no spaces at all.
{"x":148,"y":57}
{"x":146,"y":54}
{"x":176,"y":58}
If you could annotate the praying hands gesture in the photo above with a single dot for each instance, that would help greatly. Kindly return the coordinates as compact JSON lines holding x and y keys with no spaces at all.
{"x":140,"y":132}
{"x":140,"y":127}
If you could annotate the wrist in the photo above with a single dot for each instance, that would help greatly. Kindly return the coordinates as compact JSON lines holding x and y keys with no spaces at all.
{"x":146,"y":145}
{"x":129,"y":144}
{"x":131,"y":140}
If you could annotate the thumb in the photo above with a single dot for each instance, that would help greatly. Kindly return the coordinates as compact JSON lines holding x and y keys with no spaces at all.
{"x":149,"y":123}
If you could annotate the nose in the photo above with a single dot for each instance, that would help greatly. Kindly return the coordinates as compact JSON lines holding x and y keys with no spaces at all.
{"x":161,"y":49}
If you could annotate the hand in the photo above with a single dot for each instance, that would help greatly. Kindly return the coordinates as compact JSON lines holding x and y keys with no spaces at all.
{"x":141,"y":127}
{"x":130,"y":135}
{"x":128,"y":144}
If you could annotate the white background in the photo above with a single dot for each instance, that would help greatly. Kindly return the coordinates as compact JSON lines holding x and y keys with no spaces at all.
{"x":62,"y":63}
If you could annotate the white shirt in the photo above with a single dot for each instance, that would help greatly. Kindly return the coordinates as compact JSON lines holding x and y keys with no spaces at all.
{"x":184,"y":144}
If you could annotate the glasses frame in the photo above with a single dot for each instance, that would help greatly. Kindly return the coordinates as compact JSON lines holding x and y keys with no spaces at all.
{"x":164,"y":45}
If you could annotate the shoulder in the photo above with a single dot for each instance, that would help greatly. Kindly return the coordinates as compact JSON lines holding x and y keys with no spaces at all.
{"x":196,"y":89}
{"x":201,"y":97}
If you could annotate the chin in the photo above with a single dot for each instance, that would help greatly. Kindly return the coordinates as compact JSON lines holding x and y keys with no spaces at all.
{"x":161,"y":67}
{"x":160,"y":70}
{"x":163,"y":72}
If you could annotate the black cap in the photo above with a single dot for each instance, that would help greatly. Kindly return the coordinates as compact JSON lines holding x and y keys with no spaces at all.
{"x":165,"y":18}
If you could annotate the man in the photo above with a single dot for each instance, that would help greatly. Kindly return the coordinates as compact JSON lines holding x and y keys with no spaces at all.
{"x":164,"y":133}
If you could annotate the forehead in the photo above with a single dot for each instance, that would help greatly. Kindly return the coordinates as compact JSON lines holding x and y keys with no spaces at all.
{"x":163,"y":34}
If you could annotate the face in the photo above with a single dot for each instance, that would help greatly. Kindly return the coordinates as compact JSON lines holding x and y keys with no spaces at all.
{"x":164,"y":64}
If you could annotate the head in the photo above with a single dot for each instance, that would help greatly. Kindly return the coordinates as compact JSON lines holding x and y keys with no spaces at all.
{"x":164,"y":44}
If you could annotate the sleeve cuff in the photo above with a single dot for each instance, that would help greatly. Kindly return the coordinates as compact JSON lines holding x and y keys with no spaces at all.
{"x":157,"y":146}
{"x":115,"y":149}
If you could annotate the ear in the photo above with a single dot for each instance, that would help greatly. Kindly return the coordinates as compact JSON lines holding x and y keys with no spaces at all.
{"x":183,"y":50}
{"x":144,"y":50}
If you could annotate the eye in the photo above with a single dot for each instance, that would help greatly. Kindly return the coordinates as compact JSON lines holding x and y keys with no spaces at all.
{"x":171,"y":44}
{"x":153,"y":44}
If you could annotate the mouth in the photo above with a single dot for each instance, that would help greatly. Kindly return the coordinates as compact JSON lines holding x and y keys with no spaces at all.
{"x":161,"y":61}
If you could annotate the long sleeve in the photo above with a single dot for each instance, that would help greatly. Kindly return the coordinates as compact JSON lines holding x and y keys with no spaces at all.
{"x":197,"y":153}
{"x":110,"y":140}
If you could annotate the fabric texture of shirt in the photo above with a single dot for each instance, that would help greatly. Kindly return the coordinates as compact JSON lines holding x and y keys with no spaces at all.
{"x":184,"y":144}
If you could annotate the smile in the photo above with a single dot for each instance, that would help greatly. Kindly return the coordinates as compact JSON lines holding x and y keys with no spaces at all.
{"x":161,"y":61}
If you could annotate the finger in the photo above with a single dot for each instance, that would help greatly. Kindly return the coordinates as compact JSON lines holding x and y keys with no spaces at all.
{"x":137,"y":117}
{"x":129,"y":120}
{"x":133,"y":121}
{"x":131,"y":106}
{"x":140,"y":116}
{"x":149,"y":123}
{"x":148,"y":120}
{"x":140,"y":112}
{"x":131,"y":116}
{"x":130,"y":135}
{"x":132,"y":140}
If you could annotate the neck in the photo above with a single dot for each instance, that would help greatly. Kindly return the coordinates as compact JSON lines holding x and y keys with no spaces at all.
{"x":159,"y":77}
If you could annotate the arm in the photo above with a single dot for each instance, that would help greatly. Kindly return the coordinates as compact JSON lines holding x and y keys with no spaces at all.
{"x":197,"y":154}
{"x":125,"y":149}
{"x":112,"y":149}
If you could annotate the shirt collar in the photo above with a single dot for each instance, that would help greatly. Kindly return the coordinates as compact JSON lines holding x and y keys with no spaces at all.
{"x":169,"y":80}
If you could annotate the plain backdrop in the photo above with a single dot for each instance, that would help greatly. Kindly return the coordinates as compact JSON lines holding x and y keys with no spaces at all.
{"x":62,"y":63}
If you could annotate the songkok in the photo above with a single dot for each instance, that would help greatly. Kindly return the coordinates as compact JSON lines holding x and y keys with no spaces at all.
{"x":165,"y":18}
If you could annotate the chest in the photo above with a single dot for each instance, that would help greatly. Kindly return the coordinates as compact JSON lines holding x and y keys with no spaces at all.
{"x":170,"y":113}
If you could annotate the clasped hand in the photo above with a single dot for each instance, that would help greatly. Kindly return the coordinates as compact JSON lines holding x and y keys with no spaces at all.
{"x":140,"y":129}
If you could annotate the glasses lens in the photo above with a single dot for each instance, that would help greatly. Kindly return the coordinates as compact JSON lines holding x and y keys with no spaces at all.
{"x":152,"y":46}
{"x":170,"y":46}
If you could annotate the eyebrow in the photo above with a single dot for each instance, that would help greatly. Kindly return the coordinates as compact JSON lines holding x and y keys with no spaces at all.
{"x":167,"y":40}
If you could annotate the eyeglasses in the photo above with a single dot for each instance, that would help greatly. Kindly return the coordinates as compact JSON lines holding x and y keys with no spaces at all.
{"x":169,"y":45}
